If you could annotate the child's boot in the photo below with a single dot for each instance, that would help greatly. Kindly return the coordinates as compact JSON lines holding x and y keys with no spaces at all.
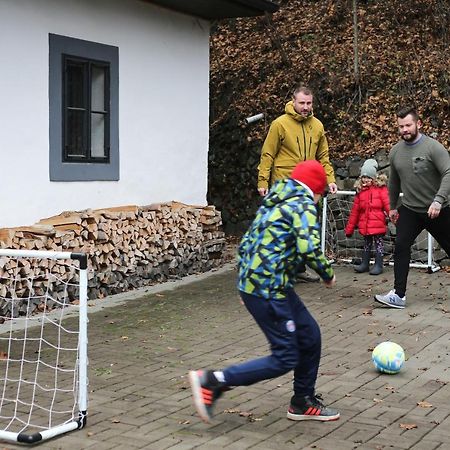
{"x":364,"y":266}
{"x":378,"y":267}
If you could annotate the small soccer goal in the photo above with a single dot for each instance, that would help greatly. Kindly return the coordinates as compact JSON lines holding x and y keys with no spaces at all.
{"x":335,"y":213}
{"x":43,"y":344}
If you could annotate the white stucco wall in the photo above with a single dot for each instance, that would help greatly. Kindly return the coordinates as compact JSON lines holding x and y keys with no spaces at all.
{"x":163,"y":105}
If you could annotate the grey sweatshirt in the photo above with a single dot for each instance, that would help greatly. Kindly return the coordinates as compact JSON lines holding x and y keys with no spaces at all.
{"x":421,"y":171}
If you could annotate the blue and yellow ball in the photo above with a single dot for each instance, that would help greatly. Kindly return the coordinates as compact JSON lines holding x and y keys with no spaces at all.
{"x":388,"y":357}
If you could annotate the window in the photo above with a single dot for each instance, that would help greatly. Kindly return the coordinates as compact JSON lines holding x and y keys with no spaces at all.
{"x":86,"y":110}
{"x":83,"y":93}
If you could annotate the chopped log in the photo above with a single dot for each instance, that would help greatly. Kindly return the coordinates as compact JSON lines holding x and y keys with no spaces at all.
{"x":126,"y":208}
{"x":67,"y":217}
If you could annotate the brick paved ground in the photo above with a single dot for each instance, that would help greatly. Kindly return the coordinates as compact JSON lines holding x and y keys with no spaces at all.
{"x":140,"y":352}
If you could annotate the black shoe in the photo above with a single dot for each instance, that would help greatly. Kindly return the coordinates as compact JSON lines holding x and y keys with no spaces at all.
{"x":205,"y":391}
{"x":307,"y":277}
{"x":310,"y":408}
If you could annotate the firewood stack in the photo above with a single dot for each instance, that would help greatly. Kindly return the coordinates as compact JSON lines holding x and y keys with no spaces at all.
{"x":127,"y":246}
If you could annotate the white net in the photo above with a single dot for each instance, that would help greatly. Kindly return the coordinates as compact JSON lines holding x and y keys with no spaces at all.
{"x":338,"y":247}
{"x":39,"y":343}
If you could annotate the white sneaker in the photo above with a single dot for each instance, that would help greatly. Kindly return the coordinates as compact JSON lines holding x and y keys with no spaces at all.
{"x":392,"y":300}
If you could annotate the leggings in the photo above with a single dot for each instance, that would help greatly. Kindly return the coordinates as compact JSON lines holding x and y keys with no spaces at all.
{"x":376,"y":240}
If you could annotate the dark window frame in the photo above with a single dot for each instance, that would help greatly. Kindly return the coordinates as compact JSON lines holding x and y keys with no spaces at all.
{"x":83,"y":170}
{"x":87,"y":65}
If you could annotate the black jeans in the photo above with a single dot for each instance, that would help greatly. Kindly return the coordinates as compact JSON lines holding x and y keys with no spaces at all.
{"x":409,"y":226}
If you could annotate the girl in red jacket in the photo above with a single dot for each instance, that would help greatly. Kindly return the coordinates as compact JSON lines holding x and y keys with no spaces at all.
{"x":369,"y":212}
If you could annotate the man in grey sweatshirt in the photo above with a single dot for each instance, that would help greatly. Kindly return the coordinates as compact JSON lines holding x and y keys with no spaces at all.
{"x":420,"y":168}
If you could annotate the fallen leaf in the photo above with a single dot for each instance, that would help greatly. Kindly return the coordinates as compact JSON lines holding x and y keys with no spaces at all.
{"x":377,"y":400}
{"x":232,"y":411}
{"x":424,"y":404}
{"x":115,"y":421}
{"x":3,"y":355}
{"x":184,"y":422}
{"x":408,"y":426}
{"x":254,"y":419}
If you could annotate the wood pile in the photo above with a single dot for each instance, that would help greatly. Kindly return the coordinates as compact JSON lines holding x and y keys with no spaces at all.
{"x":127,"y":247}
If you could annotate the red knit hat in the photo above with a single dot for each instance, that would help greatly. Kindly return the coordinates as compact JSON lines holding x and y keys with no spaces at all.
{"x":312,"y":174}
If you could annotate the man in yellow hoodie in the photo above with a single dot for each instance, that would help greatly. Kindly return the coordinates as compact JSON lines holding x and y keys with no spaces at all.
{"x":294,"y":137}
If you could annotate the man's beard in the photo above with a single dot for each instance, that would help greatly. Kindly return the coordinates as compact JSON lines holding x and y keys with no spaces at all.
{"x":410,"y":137}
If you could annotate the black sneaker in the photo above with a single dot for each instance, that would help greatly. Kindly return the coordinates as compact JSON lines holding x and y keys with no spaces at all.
{"x":310,"y":408}
{"x":307,"y":277}
{"x":205,"y":391}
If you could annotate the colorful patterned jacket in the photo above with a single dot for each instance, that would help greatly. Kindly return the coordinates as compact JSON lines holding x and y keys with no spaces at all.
{"x":284,"y":233}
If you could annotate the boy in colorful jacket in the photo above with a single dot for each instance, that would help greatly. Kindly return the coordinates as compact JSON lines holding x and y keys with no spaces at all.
{"x":284,"y":233}
{"x":369,"y":212}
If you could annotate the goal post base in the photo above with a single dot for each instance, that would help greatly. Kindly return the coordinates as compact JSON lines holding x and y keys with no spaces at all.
{"x":33,"y":438}
{"x":433,"y":269}
{"x":430,"y":269}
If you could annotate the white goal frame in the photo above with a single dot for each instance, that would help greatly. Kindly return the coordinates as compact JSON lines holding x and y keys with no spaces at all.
{"x":27,"y":434}
{"x":430,"y":265}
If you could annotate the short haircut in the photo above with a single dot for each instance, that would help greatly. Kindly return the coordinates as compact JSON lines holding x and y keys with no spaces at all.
{"x":406,"y":111}
{"x":303,"y":89}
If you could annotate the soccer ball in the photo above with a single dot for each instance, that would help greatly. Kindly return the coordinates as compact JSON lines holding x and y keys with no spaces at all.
{"x":388,"y":357}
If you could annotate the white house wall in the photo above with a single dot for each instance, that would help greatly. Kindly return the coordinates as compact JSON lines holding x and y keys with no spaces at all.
{"x":163,"y":105}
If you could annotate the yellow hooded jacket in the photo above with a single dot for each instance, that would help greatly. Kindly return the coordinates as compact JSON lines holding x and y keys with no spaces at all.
{"x":292,"y":138}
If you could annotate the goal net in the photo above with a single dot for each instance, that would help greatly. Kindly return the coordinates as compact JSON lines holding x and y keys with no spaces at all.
{"x":43,"y":344}
{"x":337,"y":247}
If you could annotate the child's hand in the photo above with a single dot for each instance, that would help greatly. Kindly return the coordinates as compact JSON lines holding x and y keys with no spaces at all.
{"x":393,"y":216}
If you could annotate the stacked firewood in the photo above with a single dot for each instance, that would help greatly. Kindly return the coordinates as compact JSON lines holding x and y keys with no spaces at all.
{"x":127,"y":246}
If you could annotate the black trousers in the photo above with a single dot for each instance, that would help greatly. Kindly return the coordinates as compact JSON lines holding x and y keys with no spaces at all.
{"x":409,"y":226}
{"x":295,"y":344}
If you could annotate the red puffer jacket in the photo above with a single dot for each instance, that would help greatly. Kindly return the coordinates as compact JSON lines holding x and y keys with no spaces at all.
{"x":369,"y":211}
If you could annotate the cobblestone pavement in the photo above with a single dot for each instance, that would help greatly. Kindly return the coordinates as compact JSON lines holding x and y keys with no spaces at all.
{"x":141,"y":350}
